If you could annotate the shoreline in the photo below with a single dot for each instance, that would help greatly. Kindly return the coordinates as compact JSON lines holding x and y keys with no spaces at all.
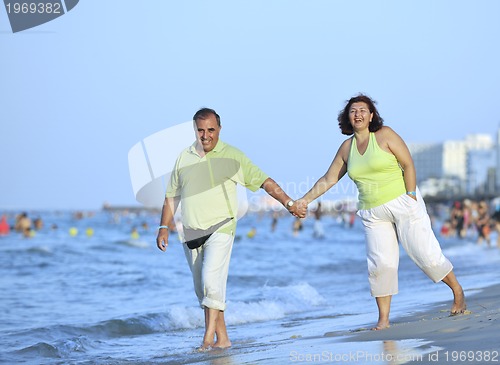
{"x":470,"y":338}
{"x":430,"y":336}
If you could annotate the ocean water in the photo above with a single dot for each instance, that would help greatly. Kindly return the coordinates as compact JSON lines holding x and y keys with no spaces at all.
{"x":109,"y":298}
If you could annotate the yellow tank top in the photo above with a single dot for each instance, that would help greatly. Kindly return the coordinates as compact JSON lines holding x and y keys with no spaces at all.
{"x":377,"y":174}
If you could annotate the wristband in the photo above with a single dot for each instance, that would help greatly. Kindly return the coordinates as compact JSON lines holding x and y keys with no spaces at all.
{"x":160,"y":227}
{"x":411,"y":193}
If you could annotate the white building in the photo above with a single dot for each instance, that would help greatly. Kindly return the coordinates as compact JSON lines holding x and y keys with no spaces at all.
{"x":480,"y":163}
{"x":441,"y":166}
{"x":498,"y":162}
{"x":428,"y":160}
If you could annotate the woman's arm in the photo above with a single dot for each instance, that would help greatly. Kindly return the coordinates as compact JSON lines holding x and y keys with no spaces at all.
{"x":335,"y":172}
{"x":400,"y":150}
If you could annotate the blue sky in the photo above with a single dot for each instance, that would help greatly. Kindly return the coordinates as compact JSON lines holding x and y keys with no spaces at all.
{"x":78,"y":92}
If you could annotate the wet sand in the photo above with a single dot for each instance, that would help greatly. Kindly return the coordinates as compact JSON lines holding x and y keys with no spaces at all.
{"x":430,"y":336}
{"x":471,"y":338}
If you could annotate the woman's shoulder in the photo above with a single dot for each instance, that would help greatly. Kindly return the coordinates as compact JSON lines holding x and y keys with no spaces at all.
{"x":347,"y":143}
{"x":386,"y":133}
{"x":345,"y":148}
{"x":385,"y":130}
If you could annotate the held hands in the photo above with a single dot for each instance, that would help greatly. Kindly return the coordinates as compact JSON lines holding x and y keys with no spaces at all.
{"x":162,"y":239}
{"x":299,"y":208}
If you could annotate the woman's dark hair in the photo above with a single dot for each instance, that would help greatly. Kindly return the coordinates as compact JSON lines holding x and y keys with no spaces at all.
{"x":343,"y":118}
{"x":203,"y":113}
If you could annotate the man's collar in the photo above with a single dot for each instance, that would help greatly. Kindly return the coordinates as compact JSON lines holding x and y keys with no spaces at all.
{"x":218,"y":147}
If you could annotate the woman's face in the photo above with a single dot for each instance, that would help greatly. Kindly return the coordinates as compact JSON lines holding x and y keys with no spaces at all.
{"x":360,"y":116}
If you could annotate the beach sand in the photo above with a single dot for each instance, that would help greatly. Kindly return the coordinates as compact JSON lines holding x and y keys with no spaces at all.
{"x":471,"y":338}
{"x":430,"y":336}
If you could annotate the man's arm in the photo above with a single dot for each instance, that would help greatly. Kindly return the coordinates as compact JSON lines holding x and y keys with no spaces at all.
{"x":274,"y":190}
{"x":167,"y":214}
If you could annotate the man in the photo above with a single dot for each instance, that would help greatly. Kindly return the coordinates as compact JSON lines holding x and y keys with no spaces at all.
{"x":204,"y":182}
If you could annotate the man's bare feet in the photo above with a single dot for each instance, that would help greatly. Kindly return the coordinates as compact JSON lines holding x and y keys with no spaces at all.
{"x":205,"y":346}
{"x":459,"y":305}
{"x":222,"y":344}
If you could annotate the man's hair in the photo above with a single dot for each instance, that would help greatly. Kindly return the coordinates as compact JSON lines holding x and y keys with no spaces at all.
{"x":204,"y":113}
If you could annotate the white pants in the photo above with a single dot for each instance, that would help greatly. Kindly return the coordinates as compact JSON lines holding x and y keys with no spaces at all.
{"x":406,"y":219}
{"x":209,"y":265}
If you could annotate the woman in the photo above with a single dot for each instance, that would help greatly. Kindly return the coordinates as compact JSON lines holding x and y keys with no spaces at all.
{"x":391,"y":208}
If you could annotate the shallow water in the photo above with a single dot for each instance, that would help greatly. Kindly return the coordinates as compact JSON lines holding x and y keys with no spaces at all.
{"x":111,"y":299}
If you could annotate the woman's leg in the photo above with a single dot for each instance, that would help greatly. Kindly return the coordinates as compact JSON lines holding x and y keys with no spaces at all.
{"x":459,"y":305}
{"x":384,"y":308}
{"x":382,"y":252}
{"x":418,"y":239}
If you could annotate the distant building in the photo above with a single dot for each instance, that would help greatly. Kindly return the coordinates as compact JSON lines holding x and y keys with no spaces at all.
{"x":428,"y":160}
{"x":480,"y":163}
{"x":497,"y":175}
{"x":457,"y":167}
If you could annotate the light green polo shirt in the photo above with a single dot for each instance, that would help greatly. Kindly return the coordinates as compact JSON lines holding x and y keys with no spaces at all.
{"x":207,"y":185}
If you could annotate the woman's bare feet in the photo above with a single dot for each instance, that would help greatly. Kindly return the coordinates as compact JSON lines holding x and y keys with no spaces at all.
{"x":381,"y":325}
{"x":459,"y":306}
{"x":384,"y":308}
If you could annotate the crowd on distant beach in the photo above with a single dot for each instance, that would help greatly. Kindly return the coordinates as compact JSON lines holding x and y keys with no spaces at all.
{"x":28,"y":225}
{"x":473,"y":219}
{"x":477,"y":220}
{"x":23,"y":224}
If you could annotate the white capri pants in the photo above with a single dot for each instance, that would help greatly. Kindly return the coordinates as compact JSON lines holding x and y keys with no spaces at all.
{"x":209,"y":265}
{"x":406,"y":219}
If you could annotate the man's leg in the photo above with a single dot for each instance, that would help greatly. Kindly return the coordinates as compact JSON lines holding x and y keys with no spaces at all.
{"x":221,"y":332}
{"x":217,"y":253}
{"x":211,"y":317}
{"x":215,"y":325}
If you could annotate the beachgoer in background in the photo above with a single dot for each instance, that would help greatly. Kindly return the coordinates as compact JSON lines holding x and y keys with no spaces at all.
{"x":297,"y":226}
{"x":4,"y":226}
{"x":134,"y":234}
{"x":496,"y":223}
{"x":28,"y":232}
{"x":483,"y":223}
{"x":38,"y":223}
{"x":204,"y":181}
{"x":390,"y":206}
{"x":467,"y":214}
{"x":446,"y":228}
{"x":457,"y":219}
{"x":23,"y":223}
{"x":352,"y":218}
{"x":318,"y":231}
{"x":274,"y":221}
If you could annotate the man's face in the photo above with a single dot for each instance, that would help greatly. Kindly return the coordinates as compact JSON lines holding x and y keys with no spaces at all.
{"x":208,"y":132}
